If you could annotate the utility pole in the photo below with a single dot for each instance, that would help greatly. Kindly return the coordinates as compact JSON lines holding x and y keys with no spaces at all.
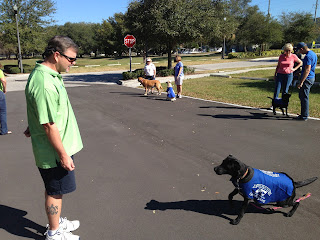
{"x":269,"y":9}
{"x":315,"y":12}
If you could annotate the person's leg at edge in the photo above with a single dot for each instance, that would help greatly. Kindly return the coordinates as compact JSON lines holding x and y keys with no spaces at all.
{"x":277,"y":86}
{"x":304,"y":97}
{"x":179,"y":89}
{"x":53,"y":204}
{"x":287,"y":83}
{"x":3,"y":114}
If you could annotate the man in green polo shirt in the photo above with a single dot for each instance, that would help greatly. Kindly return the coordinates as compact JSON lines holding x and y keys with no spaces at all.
{"x":54,"y":132}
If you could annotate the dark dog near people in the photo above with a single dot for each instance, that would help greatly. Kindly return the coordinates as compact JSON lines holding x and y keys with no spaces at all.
{"x":281,"y":103}
{"x":261,"y":186}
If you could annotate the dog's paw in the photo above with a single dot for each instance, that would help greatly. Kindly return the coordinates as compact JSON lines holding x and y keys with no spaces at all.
{"x":235,"y":221}
{"x":289,"y":214}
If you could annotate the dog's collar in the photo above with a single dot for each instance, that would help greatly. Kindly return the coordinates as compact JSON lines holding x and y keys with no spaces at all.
{"x":245,"y":174}
{"x":236,"y":182}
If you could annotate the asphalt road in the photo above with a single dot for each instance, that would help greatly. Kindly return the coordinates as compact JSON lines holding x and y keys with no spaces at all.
{"x":146,"y":170}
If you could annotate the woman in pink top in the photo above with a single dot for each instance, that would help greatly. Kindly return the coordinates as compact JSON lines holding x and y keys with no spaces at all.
{"x":284,"y":71}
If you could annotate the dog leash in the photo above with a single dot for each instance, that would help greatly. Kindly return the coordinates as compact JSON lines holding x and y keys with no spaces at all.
{"x":275,"y":208}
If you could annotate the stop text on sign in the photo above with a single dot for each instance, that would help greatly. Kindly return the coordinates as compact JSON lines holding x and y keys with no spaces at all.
{"x":129,"y":41}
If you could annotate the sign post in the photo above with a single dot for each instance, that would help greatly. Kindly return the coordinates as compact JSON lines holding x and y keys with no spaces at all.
{"x":129,"y":41}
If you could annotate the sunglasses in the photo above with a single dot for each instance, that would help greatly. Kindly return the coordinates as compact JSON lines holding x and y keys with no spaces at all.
{"x":68,"y":58}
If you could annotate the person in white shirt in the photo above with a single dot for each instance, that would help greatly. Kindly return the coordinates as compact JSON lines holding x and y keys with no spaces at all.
{"x":150,"y":70}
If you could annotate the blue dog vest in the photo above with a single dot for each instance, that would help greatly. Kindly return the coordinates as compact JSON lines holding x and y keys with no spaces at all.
{"x":266,"y":187}
{"x":170,"y":93}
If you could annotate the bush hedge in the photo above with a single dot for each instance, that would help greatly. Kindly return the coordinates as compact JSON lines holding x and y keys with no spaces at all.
{"x":271,"y":53}
{"x":14,"y":69}
{"x":161,"y":72}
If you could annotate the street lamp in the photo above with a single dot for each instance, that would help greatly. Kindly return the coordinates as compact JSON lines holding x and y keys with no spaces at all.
{"x":15,"y":8}
{"x":224,"y":42}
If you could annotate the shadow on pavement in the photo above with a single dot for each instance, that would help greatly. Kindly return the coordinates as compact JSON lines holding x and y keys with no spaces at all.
{"x":247,"y":117}
{"x":150,"y":96}
{"x":107,"y":77}
{"x":226,"y":107}
{"x":129,"y":94}
{"x":13,"y":221}
{"x":218,"y":208}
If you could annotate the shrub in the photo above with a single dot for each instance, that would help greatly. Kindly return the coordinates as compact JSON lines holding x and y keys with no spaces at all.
{"x":139,"y":72}
{"x":188,"y":70}
{"x":316,"y":50}
{"x":165,"y":72}
{"x":129,"y":75}
{"x":14,"y":69}
{"x":270,"y":53}
{"x":27,"y":68}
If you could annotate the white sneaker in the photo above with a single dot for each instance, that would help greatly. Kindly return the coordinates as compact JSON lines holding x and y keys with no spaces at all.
{"x":62,"y":235}
{"x":69,"y":226}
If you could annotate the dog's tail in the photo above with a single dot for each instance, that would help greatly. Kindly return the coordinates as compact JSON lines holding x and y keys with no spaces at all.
{"x":304,"y":182}
{"x":270,"y":98}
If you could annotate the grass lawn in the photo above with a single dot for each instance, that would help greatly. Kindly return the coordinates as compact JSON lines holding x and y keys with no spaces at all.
{"x":268,"y":73}
{"x":87,"y":64}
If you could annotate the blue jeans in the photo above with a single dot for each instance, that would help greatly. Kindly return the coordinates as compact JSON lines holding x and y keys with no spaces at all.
{"x":284,"y":81}
{"x":3,"y":114}
{"x":304,"y":97}
{"x":150,"y":77}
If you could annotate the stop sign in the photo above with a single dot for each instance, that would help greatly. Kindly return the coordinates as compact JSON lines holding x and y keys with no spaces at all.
{"x":129,"y":41}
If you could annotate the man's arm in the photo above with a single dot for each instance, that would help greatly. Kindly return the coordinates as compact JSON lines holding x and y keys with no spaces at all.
{"x":4,"y":84}
{"x":55,"y":140}
{"x":305,"y":75}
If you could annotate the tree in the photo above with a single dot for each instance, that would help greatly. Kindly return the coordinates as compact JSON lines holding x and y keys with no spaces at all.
{"x":83,"y":34}
{"x":299,"y":27}
{"x":171,"y":21}
{"x":258,"y":28}
{"x":119,"y":31}
{"x":103,"y":37}
{"x":33,"y":17}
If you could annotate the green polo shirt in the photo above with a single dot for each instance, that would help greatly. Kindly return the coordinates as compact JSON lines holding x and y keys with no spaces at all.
{"x":1,"y":76}
{"x":47,"y":101}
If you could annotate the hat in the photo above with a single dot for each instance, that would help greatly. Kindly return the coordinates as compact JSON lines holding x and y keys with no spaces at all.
{"x":149,"y":60}
{"x":301,"y":45}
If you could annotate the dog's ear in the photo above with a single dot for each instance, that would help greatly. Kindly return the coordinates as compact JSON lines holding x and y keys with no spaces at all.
{"x":236,"y":168}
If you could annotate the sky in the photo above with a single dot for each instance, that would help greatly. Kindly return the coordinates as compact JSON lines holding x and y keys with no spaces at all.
{"x":95,"y":11}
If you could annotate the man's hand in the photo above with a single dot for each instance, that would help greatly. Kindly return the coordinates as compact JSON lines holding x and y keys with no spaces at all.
{"x":55,"y":140}
{"x":67,"y":163}
{"x":300,"y":85}
{"x":27,"y":132}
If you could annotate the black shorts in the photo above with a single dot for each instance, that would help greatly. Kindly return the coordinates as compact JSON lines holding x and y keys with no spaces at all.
{"x":58,"y":181}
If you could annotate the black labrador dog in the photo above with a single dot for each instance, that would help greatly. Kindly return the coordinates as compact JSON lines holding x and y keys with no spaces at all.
{"x":281,"y":103}
{"x":261,"y":186}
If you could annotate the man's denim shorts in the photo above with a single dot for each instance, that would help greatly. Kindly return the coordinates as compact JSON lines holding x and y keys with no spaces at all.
{"x":58,"y":181}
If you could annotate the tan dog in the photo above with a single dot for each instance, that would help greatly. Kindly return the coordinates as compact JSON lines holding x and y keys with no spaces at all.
{"x":150,"y":84}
